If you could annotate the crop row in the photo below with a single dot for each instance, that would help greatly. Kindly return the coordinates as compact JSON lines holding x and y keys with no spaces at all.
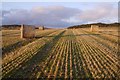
{"x":105,"y":41}
{"x":64,"y":54}
{"x":100,"y":62}
{"x":24,"y":54}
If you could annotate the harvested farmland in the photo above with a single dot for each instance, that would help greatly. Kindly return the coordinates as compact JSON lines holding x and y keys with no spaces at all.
{"x":61,"y":53}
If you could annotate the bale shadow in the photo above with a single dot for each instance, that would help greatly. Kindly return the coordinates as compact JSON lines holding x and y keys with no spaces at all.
{"x":40,"y":56}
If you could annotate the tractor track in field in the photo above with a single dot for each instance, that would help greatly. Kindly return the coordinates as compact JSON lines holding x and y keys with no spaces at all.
{"x":41,"y":51}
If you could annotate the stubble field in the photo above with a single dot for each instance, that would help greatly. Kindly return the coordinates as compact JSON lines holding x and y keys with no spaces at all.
{"x":61,"y":53}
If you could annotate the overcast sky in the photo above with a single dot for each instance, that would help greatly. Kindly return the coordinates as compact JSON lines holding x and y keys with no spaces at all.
{"x":59,"y":14}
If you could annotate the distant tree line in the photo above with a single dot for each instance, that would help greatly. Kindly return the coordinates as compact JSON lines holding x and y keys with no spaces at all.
{"x":14,"y":26}
{"x":89,"y":25}
{"x":11,"y":26}
{"x":18,"y":27}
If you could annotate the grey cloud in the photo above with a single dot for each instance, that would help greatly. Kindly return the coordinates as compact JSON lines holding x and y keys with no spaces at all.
{"x":49,"y":16}
{"x":100,"y":11}
{"x":58,"y":16}
{"x":16,"y":17}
